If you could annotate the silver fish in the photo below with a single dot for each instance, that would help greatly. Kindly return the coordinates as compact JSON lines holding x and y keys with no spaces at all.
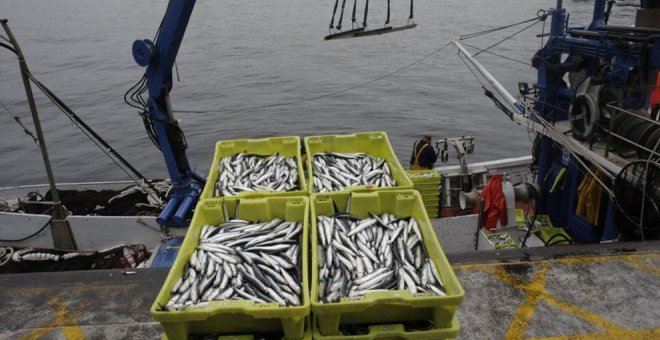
{"x":335,"y":171}
{"x":265,"y":267}
{"x":380,"y":252}
{"x":250,"y":172}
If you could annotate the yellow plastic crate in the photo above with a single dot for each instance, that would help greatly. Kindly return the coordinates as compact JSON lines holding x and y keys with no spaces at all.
{"x":376,"y":144}
{"x":431,"y":201}
{"x":432,"y":213}
{"x":286,"y":146}
{"x":511,"y":244}
{"x":386,"y":306}
{"x":307,"y":336}
{"x":396,"y":332}
{"x":237,"y":316}
{"x":435,"y":179}
{"x":430,"y":188}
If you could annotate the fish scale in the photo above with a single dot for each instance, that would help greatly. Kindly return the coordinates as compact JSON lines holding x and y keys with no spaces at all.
{"x":337,"y":171}
{"x":250,"y":172}
{"x":373,"y":254}
{"x":215,"y":271}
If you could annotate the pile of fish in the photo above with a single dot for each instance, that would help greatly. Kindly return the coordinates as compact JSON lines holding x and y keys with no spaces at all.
{"x":502,"y":239}
{"x":357,"y":256}
{"x":334,"y":171}
{"x":239,"y":260}
{"x":251,"y":172}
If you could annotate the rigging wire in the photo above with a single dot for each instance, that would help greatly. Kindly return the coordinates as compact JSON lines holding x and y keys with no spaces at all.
{"x":353,"y":19}
{"x":122,"y":163}
{"x":17,"y":119}
{"x":496,"y":54}
{"x":567,"y":143}
{"x":491,"y":30}
{"x":330,"y":94}
{"x":366,"y":11}
{"x":8,"y":47}
{"x":548,"y":129}
{"x":488,"y":93}
{"x":508,"y":37}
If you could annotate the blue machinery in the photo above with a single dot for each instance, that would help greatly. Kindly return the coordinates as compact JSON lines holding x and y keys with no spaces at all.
{"x":609,"y":52}
{"x":613,"y":58}
{"x":159,"y":59}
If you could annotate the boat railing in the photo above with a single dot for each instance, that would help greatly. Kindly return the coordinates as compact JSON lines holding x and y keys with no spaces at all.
{"x":615,"y":111}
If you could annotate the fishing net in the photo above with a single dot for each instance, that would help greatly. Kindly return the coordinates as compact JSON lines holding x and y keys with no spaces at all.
{"x":29,"y":260}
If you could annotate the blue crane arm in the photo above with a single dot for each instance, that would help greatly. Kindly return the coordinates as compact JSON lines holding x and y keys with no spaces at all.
{"x":159,"y":59}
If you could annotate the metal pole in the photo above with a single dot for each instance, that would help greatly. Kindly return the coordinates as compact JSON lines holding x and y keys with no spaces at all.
{"x":61,"y":231}
{"x":498,"y":87}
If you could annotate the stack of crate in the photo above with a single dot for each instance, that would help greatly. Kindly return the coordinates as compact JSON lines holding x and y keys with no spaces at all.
{"x":241,"y":316}
{"x":427,"y":182}
{"x":386,"y":314}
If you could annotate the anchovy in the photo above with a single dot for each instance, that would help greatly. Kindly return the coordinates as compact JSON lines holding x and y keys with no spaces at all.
{"x":265,"y":268}
{"x":250,"y":172}
{"x":500,"y":239}
{"x":335,"y":171}
{"x":380,"y":252}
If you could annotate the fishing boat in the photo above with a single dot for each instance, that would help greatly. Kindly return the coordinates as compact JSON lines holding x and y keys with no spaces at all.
{"x":578,"y":113}
{"x":591,"y":177}
{"x":593,"y":110}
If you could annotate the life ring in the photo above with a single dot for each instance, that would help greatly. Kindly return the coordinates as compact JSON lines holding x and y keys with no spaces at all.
{"x":585,"y":114}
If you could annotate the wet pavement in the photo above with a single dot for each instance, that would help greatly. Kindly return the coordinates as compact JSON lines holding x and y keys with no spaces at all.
{"x":607,"y":291}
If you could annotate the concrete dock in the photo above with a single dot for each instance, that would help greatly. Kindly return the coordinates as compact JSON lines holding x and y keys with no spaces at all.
{"x":605,"y":291}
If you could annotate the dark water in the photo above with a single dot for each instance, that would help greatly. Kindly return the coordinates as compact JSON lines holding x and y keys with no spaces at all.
{"x":239,"y":54}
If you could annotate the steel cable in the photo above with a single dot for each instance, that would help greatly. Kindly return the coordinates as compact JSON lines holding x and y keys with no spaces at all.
{"x":330,"y":94}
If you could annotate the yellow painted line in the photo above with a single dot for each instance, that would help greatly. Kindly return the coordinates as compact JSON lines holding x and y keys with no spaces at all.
{"x":638,"y":264}
{"x":628,"y":334}
{"x":66,"y":316}
{"x":533,"y":294}
{"x":590,"y":317}
{"x":573,"y":260}
{"x":65,"y":320}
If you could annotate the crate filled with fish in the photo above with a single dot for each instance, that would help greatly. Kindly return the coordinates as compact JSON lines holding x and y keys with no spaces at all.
{"x":242,"y":268}
{"x":355,"y":162}
{"x":256,"y":168}
{"x":401,"y":331}
{"x":497,"y":240}
{"x":375,"y":260}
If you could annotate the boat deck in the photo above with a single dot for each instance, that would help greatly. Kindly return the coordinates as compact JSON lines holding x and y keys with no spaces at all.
{"x":596,"y":291}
